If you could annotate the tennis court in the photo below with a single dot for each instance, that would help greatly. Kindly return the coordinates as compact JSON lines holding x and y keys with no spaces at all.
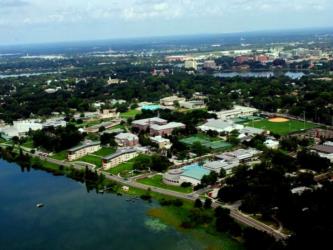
{"x":206,"y":141}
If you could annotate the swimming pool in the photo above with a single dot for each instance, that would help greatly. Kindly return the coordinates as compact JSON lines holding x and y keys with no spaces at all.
{"x":152,"y":107}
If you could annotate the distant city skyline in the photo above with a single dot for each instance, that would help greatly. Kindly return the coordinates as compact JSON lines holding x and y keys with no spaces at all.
{"x":37,"y":21}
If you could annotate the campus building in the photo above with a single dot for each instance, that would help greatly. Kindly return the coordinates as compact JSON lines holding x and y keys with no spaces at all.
{"x":170,"y":100}
{"x":237,"y":111}
{"x":192,"y":174}
{"x":20,"y":128}
{"x":82,"y":150}
{"x":127,"y":140}
{"x":144,"y":124}
{"x":118,"y":158}
{"x":220,"y":126}
{"x":162,"y":143}
{"x":167,"y":129}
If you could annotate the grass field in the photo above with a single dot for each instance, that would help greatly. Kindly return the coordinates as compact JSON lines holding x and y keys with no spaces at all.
{"x":92,"y":160}
{"x":105,"y":151}
{"x":282,"y":128}
{"x":213,"y":143}
{"x":62,"y":155}
{"x":130,"y":114}
{"x":157,"y":181}
{"x":123,"y":169}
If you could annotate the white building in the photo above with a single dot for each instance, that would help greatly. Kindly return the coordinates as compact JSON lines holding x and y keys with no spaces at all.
{"x":237,"y":111}
{"x":220,"y":126}
{"x":118,"y":158}
{"x":162,"y":143}
{"x":82,"y":150}
{"x":20,"y":128}
{"x":195,"y":104}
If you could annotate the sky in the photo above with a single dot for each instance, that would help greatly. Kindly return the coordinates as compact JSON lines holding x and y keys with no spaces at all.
{"x":39,"y":21}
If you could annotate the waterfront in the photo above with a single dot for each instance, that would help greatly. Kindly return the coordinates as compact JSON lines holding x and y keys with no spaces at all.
{"x":75,"y":219}
{"x":261,"y":74}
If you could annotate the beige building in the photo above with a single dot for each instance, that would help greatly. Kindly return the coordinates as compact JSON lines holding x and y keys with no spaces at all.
{"x":170,"y":100}
{"x":118,"y":158}
{"x":80,"y":151}
{"x":162,"y":143}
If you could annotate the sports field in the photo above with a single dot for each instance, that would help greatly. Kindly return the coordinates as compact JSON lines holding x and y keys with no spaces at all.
{"x":282,"y":127}
{"x":206,"y":141}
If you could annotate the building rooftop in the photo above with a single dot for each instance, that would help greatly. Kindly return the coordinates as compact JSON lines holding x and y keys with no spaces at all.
{"x":84,"y":146}
{"x":323,"y":149}
{"x":219,"y":124}
{"x":195,"y":171}
{"x":126,"y":136}
{"x":119,"y":153}
{"x":153,"y":120}
{"x":170,"y":125}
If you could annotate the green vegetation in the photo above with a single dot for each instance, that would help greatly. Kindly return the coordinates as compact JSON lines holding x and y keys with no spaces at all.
{"x":282,"y":128}
{"x":62,"y":155}
{"x":104,"y":151}
{"x":123,"y":169}
{"x":130,"y":114}
{"x":157,"y":181}
{"x":97,"y":161}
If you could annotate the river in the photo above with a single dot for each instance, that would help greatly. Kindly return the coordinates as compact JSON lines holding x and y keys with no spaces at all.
{"x":73,"y":218}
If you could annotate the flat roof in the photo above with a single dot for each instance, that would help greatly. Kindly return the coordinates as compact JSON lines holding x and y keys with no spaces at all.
{"x":195,"y":171}
{"x":167,"y":126}
{"x":149,"y":120}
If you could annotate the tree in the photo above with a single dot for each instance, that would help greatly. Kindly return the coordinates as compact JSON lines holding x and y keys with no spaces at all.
{"x":207,"y":203}
{"x":142,"y":162}
{"x":197,"y":203}
{"x":222,"y":173}
{"x":199,"y":149}
{"x":209,"y":179}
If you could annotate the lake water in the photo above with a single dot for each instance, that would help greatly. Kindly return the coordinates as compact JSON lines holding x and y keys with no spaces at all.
{"x":263,"y":74}
{"x":26,"y":74}
{"x":75,"y":219}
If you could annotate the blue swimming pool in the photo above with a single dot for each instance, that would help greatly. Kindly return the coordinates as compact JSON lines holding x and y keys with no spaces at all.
{"x":152,"y":107}
{"x":195,"y":171}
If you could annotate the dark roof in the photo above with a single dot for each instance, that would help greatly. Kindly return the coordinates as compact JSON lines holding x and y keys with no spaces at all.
{"x":83,"y":146}
{"x":119,"y":153}
{"x":324,"y":149}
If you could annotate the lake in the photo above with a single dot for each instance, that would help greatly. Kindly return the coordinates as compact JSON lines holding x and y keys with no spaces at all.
{"x":260,"y":74}
{"x":75,"y":219}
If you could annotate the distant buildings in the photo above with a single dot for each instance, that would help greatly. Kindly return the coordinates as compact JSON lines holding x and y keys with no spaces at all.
{"x":118,"y":158}
{"x":80,"y":151}
{"x":127,"y":140}
{"x":209,"y":64}
{"x":191,"y":64}
{"x":237,"y":111}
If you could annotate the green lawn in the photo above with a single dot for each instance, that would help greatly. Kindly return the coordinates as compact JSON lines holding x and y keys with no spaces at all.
{"x":283,"y":128}
{"x":122,"y":169}
{"x":28,"y":144}
{"x":130,"y":114}
{"x":105,"y":151}
{"x":157,"y":181}
{"x":62,"y":155}
{"x":92,"y":160}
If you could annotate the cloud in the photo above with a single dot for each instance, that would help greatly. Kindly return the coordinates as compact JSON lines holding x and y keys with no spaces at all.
{"x":12,"y":3}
